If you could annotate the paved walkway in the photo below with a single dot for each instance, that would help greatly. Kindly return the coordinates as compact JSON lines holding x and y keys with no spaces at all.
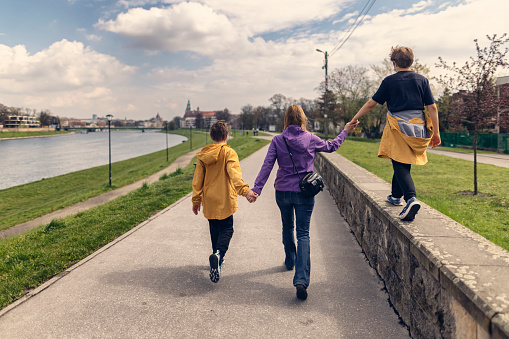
{"x":153,"y":282}
{"x":180,"y":162}
{"x":501,"y":160}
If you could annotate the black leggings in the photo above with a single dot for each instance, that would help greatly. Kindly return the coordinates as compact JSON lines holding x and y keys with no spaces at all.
{"x":221,"y":232}
{"x":402,"y":182}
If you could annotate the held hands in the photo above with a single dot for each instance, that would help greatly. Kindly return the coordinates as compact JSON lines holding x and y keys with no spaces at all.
{"x":251,"y":196}
{"x":351,"y":126}
{"x":196,"y":209}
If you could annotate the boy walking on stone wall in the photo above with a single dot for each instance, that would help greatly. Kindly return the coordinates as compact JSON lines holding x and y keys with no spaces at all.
{"x":217,"y":182}
{"x":409,"y":130}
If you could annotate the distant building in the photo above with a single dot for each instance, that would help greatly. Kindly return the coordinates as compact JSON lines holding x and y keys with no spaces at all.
{"x":156,"y":122}
{"x":199,"y":119}
{"x":21,"y":121}
{"x":76,"y":123}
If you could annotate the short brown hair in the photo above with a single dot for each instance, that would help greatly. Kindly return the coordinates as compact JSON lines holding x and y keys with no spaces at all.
{"x":295,"y":116}
{"x":219,"y":131}
{"x":403,"y":56}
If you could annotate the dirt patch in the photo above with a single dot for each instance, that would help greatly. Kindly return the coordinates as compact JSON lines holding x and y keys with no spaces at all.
{"x":471,"y":193}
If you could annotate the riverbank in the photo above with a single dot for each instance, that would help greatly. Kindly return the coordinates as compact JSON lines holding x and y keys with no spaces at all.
{"x":28,"y":135}
{"x":22,"y":203}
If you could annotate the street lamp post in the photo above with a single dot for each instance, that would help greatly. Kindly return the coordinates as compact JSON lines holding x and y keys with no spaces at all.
{"x":109,"y":116}
{"x":326,"y":106}
{"x":166,"y":141}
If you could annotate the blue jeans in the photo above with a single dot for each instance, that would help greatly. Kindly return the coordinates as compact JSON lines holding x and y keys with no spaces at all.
{"x":290,"y":204}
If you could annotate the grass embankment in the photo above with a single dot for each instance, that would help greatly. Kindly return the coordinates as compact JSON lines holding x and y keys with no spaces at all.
{"x":4,"y":135}
{"x":444,"y":184}
{"x":30,"y":259}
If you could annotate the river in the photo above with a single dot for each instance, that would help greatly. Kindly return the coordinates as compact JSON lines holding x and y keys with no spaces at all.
{"x":27,"y":160}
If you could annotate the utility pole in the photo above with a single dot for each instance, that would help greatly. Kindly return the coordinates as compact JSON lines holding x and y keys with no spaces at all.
{"x":325,"y":97}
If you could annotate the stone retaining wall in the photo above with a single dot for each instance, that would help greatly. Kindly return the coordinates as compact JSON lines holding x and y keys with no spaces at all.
{"x":444,"y":280}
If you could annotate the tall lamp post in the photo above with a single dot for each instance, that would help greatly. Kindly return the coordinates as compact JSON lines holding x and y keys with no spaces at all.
{"x":109,"y":116}
{"x":166,"y":125}
{"x":326,"y":106}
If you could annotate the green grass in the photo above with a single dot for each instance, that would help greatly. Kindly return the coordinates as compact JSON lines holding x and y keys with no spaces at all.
{"x":4,"y":135}
{"x":440,"y":184}
{"x":30,"y":259}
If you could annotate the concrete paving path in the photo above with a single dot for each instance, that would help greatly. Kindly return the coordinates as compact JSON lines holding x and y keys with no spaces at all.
{"x":501,"y":160}
{"x":180,"y":162}
{"x":153,"y":282}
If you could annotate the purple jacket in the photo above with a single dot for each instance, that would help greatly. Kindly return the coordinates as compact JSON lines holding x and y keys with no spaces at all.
{"x":303,"y":146}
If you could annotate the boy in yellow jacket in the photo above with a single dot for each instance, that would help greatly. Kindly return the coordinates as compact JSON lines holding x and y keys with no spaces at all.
{"x":217,"y":182}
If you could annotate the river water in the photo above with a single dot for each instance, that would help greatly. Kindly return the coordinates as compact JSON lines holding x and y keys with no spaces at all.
{"x":27,"y":160}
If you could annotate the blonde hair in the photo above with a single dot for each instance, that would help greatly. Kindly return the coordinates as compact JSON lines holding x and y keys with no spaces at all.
{"x":295,"y":116}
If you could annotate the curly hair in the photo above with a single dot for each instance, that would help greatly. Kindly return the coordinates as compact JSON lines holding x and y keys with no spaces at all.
{"x":219,"y":130}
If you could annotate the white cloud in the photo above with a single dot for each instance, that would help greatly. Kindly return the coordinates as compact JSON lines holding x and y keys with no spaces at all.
{"x":64,"y":65}
{"x":186,"y":26}
{"x":213,"y":27}
{"x":67,"y":76}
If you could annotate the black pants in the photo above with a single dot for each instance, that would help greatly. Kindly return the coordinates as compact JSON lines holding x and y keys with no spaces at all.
{"x":221,"y":232}
{"x":402,"y":182}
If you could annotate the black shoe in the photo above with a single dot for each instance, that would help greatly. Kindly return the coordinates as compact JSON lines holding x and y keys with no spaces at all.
{"x":215,"y":269}
{"x":410,"y":210}
{"x":302,"y":294}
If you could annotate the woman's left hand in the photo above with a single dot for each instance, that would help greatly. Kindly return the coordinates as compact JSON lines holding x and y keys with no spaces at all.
{"x":351,"y":126}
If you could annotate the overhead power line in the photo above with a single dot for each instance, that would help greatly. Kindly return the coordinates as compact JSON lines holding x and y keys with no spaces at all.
{"x":353,"y":27}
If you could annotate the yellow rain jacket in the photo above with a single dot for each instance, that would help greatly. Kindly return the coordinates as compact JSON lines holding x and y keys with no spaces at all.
{"x":217,"y":181}
{"x":403,"y":148}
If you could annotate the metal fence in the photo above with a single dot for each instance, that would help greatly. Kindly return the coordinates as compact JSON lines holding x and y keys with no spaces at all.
{"x":492,"y":142}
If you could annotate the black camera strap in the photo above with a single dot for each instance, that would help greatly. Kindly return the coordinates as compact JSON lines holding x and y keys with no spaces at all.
{"x":291,"y":157}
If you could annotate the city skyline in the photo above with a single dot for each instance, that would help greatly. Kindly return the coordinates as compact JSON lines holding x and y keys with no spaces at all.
{"x":136,"y":58}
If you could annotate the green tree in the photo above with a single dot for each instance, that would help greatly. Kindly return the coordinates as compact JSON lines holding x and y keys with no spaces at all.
{"x":476,"y":104}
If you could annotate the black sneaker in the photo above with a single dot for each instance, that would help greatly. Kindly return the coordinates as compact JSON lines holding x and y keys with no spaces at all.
{"x":302,"y":294}
{"x":410,"y":210}
{"x":215,"y":269}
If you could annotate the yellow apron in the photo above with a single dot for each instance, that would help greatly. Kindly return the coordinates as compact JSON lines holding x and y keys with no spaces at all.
{"x":402,"y":148}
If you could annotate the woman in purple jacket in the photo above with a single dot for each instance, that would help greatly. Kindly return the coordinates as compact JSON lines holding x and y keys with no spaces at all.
{"x":289,"y":198}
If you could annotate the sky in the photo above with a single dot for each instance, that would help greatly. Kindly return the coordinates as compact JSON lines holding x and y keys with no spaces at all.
{"x":136,"y":58}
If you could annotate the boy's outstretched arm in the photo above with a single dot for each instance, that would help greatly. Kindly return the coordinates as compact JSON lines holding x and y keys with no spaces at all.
{"x":368,"y":106}
{"x":433,"y":114}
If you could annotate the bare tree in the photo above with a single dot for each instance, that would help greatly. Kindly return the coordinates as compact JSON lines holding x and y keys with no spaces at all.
{"x":352,"y":87}
{"x":246,"y":117}
{"x":223,"y":115}
{"x":477,"y":104}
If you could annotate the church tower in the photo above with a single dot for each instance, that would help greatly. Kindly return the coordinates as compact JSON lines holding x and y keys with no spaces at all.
{"x":188,"y":108}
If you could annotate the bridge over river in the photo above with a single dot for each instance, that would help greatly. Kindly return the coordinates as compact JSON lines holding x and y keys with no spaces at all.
{"x":153,"y":282}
